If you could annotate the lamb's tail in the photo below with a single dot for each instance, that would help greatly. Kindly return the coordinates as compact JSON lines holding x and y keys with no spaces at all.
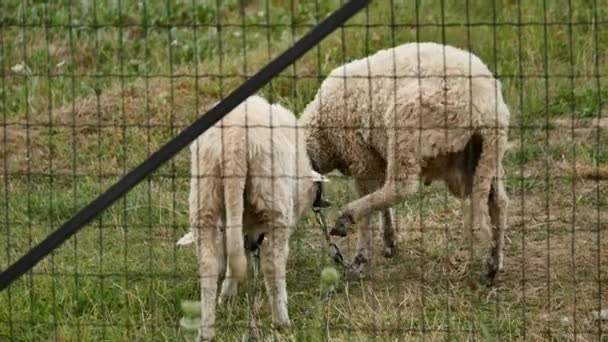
{"x":235,"y":173}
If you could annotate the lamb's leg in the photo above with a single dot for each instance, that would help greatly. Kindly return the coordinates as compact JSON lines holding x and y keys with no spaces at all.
{"x":208,"y":273}
{"x":499,"y":203}
{"x":273,"y":260}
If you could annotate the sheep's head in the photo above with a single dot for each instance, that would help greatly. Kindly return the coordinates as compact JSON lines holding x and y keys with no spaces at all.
{"x":319,"y":202}
{"x":310,"y":193}
{"x":320,"y":151}
{"x":321,"y":159}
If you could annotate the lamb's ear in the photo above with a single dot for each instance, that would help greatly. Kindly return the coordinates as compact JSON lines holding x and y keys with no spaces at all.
{"x":317,"y":177}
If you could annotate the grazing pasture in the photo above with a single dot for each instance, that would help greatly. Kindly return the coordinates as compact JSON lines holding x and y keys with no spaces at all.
{"x":90,"y":88}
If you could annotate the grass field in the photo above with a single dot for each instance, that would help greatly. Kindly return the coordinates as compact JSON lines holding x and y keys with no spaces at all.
{"x":89,"y":89}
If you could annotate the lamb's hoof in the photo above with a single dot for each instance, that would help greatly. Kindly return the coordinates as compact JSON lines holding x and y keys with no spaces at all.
{"x":356,"y":268}
{"x":489,"y":272}
{"x":340,"y":229}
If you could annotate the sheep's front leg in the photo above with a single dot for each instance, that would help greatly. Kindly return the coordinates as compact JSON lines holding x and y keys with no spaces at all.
{"x":486,"y":173}
{"x":364,"y":248}
{"x":389,"y":233}
{"x":499,"y":203}
{"x":393,"y":192}
{"x":401,"y":181}
{"x":273,"y":259}
{"x":365,"y":240}
{"x":227,"y":284}
{"x":365,"y":231}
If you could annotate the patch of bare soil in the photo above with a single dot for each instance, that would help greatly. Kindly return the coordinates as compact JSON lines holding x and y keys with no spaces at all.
{"x":106,"y":124}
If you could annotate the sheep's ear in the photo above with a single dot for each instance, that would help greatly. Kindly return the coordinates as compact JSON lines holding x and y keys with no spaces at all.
{"x":317,"y":177}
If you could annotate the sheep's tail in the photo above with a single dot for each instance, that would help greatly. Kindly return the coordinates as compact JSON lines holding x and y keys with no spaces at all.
{"x":235,"y":173}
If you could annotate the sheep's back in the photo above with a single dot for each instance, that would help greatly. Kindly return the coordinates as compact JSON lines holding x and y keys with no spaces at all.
{"x":262,"y":138}
{"x":440,"y":93}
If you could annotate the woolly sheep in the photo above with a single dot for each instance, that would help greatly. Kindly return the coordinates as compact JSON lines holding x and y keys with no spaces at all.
{"x":417,"y":110}
{"x":250,"y":174}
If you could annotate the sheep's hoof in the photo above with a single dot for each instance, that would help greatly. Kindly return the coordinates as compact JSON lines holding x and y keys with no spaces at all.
{"x":354,"y":273}
{"x":282,"y":326}
{"x":226,"y":300}
{"x":356,"y":268}
{"x":340,"y":229}
{"x":390,"y":248}
{"x":207,"y":336}
{"x":389,"y":252}
{"x":489,"y":272}
{"x":228,"y":292}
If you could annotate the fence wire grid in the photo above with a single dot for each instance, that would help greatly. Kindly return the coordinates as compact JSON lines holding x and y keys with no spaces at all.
{"x":90,"y":89}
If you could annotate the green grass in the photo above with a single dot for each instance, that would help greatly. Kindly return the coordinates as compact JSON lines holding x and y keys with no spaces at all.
{"x":87,"y":93}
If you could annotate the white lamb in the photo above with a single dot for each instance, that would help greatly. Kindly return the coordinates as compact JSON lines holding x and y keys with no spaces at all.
{"x":250,"y":175}
{"x":419,"y":110}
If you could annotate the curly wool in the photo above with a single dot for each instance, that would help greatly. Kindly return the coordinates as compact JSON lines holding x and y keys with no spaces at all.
{"x":442,"y":95}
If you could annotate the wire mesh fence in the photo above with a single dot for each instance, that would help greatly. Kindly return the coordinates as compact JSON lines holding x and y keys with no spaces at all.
{"x":89,"y":89}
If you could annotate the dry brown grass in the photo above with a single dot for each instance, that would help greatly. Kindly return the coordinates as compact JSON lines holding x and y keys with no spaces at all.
{"x":555,"y":273}
{"x":585,"y":171}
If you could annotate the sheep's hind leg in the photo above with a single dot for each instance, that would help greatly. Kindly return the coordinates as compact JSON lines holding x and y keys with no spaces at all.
{"x":273,"y":260}
{"x":228,"y":284}
{"x":208,"y":274}
{"x":229,"y":288}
